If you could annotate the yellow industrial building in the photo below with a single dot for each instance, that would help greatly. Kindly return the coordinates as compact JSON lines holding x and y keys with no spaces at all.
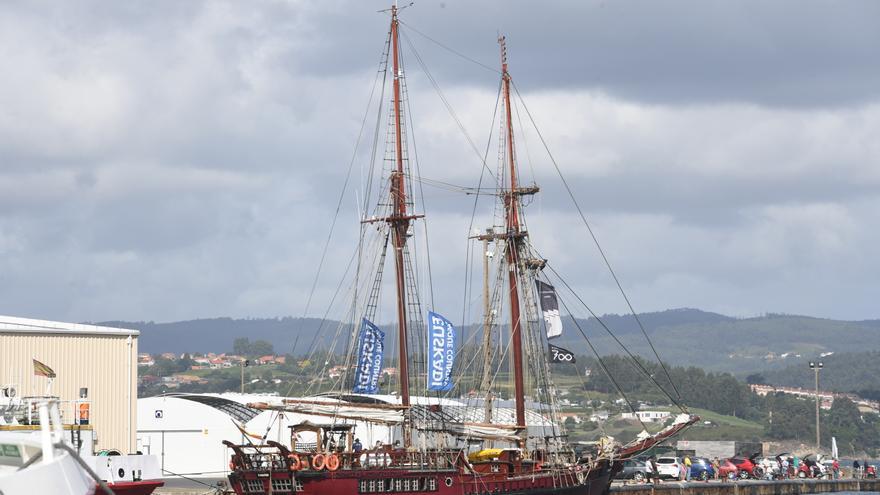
{"x":97,"y":362}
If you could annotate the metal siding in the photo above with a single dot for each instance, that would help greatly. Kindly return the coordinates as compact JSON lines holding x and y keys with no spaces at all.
{"x":100,"y":362}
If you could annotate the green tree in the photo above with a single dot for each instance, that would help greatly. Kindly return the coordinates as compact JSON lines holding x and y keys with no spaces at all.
{"x":241,"y":346}
{"x":261,"y":348}
{"x":844,"y":422}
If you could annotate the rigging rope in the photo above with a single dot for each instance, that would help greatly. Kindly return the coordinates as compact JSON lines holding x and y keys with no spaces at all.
{"x":601,"y":362}
{"x":445,"y":100}
{"x":596,"y":241}
{"x":450,"y":50}
{"x":633,"y":357}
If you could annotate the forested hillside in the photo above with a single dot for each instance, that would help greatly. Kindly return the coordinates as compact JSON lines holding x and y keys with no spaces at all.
{"x":682,"y":336}
{"x":851,"y":372}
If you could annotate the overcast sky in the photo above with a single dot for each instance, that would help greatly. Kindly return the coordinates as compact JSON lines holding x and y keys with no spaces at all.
{"x":170,"y":160}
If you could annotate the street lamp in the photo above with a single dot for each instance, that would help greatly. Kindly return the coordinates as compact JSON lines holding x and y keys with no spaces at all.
{"x":246,"y":362}
{"x":816,"y":366}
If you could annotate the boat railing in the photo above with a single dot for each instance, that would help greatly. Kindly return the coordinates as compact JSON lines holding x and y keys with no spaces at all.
{"x":274,"y":456}
{"x":24,"y":411}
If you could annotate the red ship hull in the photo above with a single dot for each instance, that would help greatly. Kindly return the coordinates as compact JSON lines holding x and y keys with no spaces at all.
{"x":418,"y":482}
{"x":134,"y":487}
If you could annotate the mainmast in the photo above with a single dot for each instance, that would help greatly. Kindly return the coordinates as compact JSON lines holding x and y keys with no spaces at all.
{"x":399,"y":222}
{"x":514,"y":239}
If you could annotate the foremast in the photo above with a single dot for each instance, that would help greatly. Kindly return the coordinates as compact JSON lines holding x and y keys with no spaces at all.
{"x":514,"y":238}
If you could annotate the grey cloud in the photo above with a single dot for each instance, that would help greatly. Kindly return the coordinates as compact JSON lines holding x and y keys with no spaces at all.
{"x":183,"y":159}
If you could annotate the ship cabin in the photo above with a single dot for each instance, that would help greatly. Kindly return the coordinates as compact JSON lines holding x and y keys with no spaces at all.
{"x":321,"y":438}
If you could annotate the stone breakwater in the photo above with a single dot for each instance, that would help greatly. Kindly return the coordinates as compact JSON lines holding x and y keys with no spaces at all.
{"x":786,"y":487}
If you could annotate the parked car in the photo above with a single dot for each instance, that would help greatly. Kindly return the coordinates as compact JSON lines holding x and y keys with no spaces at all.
{"x":812,"y":467}
{"x":634,"y":469}
{"x":701,"y":469}
{"x":669,"y":467}
{"x":746,"y":467}
{"x":728,"y":470}
{"x":771,"y":467}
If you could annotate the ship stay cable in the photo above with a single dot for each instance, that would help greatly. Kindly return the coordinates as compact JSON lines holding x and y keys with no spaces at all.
{"x":638,"y":365}
{"x":446,"y":103}
{"x":601,"y":362}
{"x":339,"y":204}
{"x":596,"y":241}
{"x":449,"y":49}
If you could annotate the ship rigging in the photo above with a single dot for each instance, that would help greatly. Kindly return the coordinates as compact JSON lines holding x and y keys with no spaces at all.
{"x":438,"y":433}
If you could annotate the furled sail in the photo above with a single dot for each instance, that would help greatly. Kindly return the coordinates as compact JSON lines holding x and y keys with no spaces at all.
{"x":373,"y":413}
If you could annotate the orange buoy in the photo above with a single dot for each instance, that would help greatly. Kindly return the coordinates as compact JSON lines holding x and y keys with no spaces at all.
{"x":318,"y":462}
{"x":295,"y":465}
{"x":332,"y":462}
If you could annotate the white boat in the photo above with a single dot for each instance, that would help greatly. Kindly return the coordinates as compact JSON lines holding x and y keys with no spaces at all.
{"x":29,"y":465}
{"x":46,"y":464}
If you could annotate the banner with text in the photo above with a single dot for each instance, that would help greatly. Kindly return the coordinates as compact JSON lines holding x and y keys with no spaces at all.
{"x":560,"y":355}
{"x":441,"y":348}
{"x":550,"y":308}
{"x":370,"y":349}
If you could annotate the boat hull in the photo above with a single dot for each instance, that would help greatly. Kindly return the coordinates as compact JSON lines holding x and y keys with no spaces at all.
{"x":145,"y":487}
{"x":418,"y":482}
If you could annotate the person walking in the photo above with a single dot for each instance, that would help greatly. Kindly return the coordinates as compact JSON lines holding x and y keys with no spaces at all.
{"x":795,"y":465}
{"x":687,"y":467}
{"x":655,"y":472}
{"x":856,"y":469}
{"x":835,"y":469}
{"x":716,"y":466}
{"x":784,"y":471}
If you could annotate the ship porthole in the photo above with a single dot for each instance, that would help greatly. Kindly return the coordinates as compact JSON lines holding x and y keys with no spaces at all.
{"x":121,"y":473}
{"x":448,"y":481}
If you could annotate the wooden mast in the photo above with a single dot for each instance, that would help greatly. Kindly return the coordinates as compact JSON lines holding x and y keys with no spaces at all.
{"x":514,"y":238}
{"x":399,"y":221}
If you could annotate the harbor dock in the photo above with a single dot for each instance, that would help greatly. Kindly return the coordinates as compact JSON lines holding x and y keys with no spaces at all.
{"x":783,"y":487}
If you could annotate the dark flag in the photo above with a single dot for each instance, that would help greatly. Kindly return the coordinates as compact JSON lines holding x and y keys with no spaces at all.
{"x":560,"y":355}
{"x":550,"y":308}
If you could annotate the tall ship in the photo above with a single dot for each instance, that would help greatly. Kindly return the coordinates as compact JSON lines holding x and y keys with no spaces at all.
{"x":458,"y":434}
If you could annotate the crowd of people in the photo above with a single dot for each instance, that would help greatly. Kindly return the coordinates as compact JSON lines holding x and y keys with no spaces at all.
{"x":780,"y":467}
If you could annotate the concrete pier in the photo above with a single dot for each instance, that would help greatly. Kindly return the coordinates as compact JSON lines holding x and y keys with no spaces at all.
{"x":785,"y":487}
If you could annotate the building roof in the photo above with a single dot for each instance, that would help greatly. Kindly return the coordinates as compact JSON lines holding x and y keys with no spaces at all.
{"x":14,"y":324}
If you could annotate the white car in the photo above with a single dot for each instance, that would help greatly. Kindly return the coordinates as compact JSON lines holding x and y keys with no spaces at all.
{"x":669,"y":467}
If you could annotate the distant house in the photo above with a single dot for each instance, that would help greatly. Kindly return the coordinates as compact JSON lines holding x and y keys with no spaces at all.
{"x":336,"y":371}
{"x":169,"y":355}
{"x":267,"y":359}
{"x":189,"y":379}
{"x":647,"y":416}
{"x":599,"y":416}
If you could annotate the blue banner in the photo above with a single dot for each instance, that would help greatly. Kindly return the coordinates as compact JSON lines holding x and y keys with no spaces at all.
{"x":370,"y":349}
{"x":441,"y":348}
